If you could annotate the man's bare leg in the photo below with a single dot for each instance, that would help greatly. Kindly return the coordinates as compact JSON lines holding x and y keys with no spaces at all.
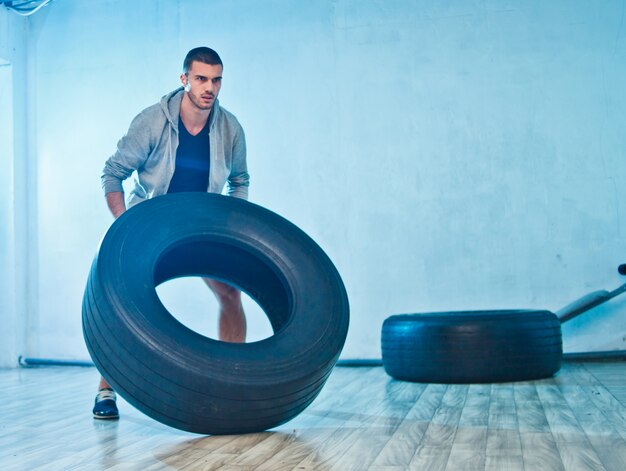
{"x":232,"y":319}
{"x":103,"y":384}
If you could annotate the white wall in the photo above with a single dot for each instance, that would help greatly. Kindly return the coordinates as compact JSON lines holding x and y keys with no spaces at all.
{"x":463,"y":155}
{"x":15,"y":215}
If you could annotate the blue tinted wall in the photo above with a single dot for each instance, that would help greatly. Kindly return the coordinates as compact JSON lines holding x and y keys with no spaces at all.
{"x":446,"y":155}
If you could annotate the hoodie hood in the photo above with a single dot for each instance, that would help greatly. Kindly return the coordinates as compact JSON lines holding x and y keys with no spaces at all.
{"x":170,"y":105}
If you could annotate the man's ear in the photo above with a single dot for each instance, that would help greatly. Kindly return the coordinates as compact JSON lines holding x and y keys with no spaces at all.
{"x":184,"y":79}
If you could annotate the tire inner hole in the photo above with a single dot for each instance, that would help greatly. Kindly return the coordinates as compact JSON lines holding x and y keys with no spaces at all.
{"x":177,"y":278}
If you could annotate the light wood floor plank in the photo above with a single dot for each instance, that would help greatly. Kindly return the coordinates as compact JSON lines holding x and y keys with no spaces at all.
{"x":470,"y":441}
{"x":401,"y":447}
{"x":385,"y":420}
{"x":539,"y":450}
{"x":613,"y":410}
{"x":573,"y":445}
{"x":503,"y":437}
{"x":434,"y":450}
{"x":501,"y":462}
{"x":604,"y":438}
{"x":611,"y":376}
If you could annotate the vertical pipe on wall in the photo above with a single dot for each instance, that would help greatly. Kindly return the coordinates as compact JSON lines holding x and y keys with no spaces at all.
{"x":7,"y":252}
{"x":27,"y":195}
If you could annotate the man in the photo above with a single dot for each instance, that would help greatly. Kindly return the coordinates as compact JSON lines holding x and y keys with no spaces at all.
{"x":186,"y":142}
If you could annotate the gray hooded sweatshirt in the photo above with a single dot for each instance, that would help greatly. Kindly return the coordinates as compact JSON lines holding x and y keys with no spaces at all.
{"x":149,"y":147}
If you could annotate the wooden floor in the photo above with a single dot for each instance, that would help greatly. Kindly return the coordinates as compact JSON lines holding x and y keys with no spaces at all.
{"x":363,"y":420}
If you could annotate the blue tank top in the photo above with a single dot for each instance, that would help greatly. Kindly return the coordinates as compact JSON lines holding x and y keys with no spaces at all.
{"x":191,"y":172}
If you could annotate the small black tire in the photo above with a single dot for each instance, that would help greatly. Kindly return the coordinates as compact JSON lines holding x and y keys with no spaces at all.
{"x":182,"y":378}
{"x":472,"y":346}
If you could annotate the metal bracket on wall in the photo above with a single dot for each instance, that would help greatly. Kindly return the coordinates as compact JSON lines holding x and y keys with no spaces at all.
{"x":591,"y":300}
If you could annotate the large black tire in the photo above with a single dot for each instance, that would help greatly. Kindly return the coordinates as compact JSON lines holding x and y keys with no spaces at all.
{"x":182,"y":378}
{"x":472,"y":347}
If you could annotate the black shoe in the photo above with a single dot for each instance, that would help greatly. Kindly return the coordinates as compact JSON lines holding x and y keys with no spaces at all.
{"x":105,"y":407}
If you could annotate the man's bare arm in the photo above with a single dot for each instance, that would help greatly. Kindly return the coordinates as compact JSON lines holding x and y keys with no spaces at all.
{"x":115,"y":202}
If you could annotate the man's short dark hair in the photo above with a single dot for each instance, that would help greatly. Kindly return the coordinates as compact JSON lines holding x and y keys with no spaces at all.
{"x":201,"y":54}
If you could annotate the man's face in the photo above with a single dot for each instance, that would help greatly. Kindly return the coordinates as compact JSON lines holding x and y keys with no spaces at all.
{"x":205,"y":82}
